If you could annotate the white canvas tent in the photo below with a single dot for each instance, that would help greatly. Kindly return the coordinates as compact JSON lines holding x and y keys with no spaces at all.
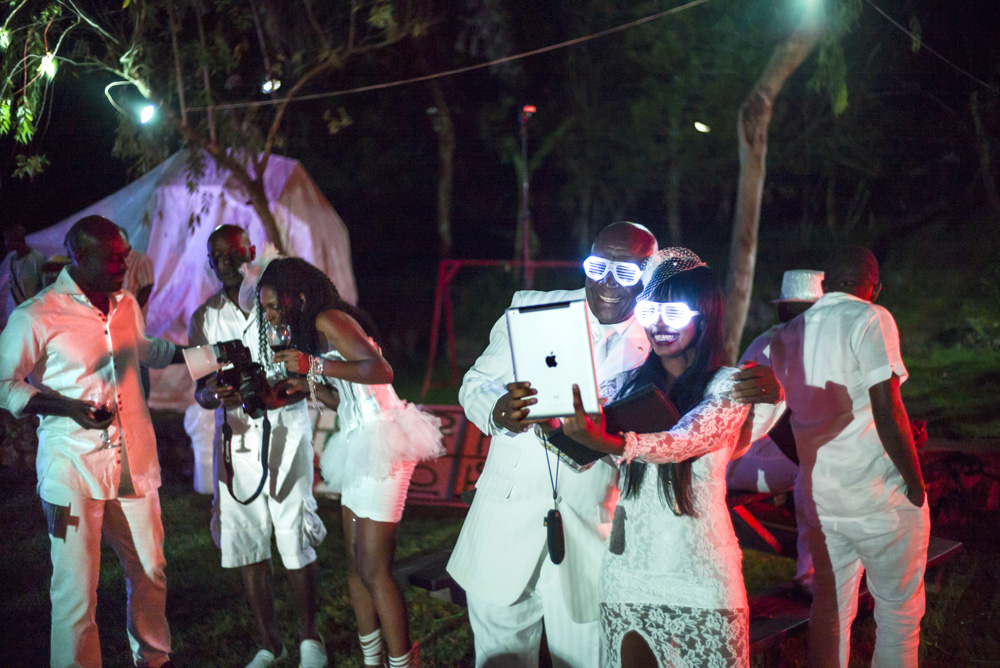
{"x":170,"y":222}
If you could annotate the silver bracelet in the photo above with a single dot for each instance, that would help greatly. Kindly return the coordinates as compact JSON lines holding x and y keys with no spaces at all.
{"x":315,"y":371}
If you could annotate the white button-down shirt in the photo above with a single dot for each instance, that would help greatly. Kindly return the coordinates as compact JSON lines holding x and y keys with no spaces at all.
{"x":827,"y":359}
{"x":217,"y":320}
{"x":64,"y":345}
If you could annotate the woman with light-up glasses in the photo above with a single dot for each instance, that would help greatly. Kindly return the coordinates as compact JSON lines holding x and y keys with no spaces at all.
{"x":670,"y":584}
{"x":371,"y":457}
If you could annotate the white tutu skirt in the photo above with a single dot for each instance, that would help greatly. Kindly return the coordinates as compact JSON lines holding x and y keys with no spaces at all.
{"x":405,"y":434}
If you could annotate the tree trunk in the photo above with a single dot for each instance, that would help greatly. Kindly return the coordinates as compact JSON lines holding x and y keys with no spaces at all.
{"x":254,"y":186}
{"x":752,"y":124}
{"x":258,"y":198}
{"x":985,"y":159}
{"x":446,"y":178}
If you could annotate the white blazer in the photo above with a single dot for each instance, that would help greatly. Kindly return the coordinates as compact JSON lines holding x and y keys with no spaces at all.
{"x":503,"y":536}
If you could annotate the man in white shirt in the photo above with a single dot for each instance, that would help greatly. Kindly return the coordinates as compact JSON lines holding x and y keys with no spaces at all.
{"x":865,"y":506}
{"x":25,"y":265}
{"x":765,"y":467}
{"x":285,"y":506}
{"x":80,"y":342}
{"x":500,"y":558}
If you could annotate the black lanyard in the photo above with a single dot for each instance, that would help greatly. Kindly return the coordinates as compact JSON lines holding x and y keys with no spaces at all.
{"x":227,"y":449}
{"x":553,"y":520}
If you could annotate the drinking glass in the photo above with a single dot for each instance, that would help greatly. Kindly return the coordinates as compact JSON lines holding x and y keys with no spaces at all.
{"x":103,"y":398}
{"x":279,"y":337}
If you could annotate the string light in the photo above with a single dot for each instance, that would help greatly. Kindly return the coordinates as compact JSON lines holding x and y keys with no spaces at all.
{"x":461,"y":70}
{"x":270,"y":85}
{"x":934,"y":53}
{"x":147,"y":114}
{"x":701,"y":127}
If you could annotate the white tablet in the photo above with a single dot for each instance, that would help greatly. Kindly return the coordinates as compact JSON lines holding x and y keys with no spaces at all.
{"x":551,"y":348}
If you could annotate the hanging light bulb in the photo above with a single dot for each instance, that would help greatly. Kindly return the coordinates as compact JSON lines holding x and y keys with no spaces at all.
{"x":270,"y":85}
{"x":701,"y":127}
{"x":147,"y":113}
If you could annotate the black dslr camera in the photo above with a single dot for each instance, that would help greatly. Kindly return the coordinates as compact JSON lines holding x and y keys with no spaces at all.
{"x":246,"y":376}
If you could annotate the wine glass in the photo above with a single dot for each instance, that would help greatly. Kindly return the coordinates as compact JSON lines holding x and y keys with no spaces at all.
{"x":279,"y":337}
{"x":103,"y":398}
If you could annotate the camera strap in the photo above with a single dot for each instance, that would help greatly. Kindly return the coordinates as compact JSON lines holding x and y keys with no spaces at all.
{"x":227,"y":450}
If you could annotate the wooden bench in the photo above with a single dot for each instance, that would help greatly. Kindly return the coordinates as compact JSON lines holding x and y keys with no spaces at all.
{"x":782,"y":613}
{"x":774,"y":616}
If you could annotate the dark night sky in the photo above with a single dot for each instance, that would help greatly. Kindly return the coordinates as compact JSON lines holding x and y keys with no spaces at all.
{"x":79,"y":134}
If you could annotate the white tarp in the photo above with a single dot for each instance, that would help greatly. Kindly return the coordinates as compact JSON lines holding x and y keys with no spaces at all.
{"x":170,"y":222}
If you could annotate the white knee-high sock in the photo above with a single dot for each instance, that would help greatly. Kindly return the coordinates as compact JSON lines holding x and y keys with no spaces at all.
{"x":408,"y":660}
{"x":371,"y":647}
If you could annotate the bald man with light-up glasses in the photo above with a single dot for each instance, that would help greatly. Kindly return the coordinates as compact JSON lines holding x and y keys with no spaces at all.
{"x":501,"y":556}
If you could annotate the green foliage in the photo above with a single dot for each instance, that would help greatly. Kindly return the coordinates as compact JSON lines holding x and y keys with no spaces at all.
{"x":4,"y":116}
{"x":831,"y":68}
{"x":30,"y":166}
{"x":831,"y":75}
{"x":225,"y":51}
{"x":380,"y":16}
{"x":917,"y":30}
{"x":336,"y":123}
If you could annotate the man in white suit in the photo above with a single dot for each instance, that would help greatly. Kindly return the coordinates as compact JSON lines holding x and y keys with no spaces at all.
{"x":501,"y":558}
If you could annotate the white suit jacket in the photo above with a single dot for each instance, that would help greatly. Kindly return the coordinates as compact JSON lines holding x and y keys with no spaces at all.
{"x":503,"y":536}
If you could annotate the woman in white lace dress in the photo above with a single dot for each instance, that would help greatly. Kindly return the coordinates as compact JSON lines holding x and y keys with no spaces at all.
{"x":671,"y":585}
{"x":371,"y":458}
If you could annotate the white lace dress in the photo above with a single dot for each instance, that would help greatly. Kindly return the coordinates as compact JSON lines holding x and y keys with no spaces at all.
{"x":677,"y":580}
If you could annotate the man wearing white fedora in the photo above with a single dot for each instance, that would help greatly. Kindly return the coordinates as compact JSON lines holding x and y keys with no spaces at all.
{"x":765,"y":467}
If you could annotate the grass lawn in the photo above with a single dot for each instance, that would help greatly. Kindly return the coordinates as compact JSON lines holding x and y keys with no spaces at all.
{"x":955,"y":389}
{"x":211,"y":623}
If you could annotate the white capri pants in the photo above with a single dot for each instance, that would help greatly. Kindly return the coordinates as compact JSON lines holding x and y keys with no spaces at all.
{"x":285,"y":508}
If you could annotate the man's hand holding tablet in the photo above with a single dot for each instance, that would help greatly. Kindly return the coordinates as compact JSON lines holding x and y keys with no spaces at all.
{"x":511,"y":410}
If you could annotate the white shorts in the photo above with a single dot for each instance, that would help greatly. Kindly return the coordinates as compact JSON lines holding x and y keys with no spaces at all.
{"x":380,"y":500}
{"x":285,"y":508}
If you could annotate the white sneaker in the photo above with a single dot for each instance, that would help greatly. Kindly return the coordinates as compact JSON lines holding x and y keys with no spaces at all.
{"x":312,"y":654}
{"x":265,"y":658}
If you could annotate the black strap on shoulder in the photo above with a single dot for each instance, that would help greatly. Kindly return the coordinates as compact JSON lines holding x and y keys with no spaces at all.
{"x":227,"y":449}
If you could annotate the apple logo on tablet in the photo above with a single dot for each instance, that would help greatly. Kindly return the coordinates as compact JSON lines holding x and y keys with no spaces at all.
{"x":550,"y":360}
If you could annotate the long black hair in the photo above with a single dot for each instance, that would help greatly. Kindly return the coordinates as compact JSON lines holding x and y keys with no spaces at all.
{"x":291,"y":277}
{"x":700,"y":290}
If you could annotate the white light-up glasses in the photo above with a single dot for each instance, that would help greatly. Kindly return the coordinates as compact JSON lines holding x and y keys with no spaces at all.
{"x":626,"y":273}
{"x":675,"y":315}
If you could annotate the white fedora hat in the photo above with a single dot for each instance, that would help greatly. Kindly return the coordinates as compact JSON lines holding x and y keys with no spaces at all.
{"x":800,"y":285}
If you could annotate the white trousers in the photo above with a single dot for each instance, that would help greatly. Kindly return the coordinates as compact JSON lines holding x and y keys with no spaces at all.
{"x":510,"y":636}
{"x":892,"y":547}
{"x":133,"y":529}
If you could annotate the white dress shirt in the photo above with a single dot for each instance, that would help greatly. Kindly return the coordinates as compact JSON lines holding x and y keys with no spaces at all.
{"x":217,"y":320}
{"x":64,"y":345}
{"x":827,"y":359}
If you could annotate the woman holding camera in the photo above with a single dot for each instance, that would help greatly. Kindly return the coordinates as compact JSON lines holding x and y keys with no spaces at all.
{"x":670,"y":586}
{"x":371,"y":458}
